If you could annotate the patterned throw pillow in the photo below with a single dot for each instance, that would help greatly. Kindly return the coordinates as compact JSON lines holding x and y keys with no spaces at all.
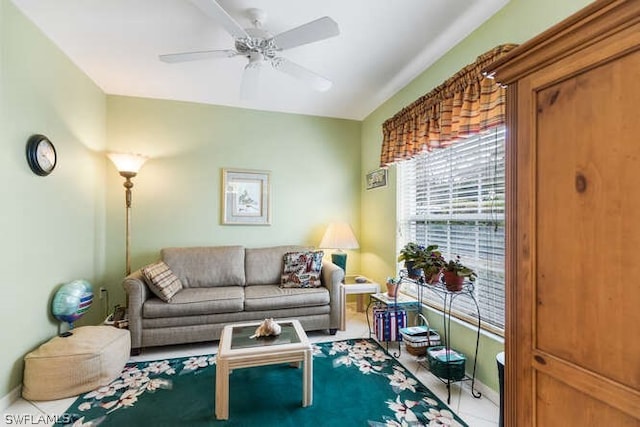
{"x":161,"y":280}
{"x":302,"y":269}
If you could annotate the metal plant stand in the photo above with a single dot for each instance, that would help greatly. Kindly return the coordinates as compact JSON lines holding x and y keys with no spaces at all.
{"x":448,"y":297}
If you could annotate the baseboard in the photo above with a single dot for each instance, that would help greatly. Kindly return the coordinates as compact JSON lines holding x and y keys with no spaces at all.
{"x":10,"y":398}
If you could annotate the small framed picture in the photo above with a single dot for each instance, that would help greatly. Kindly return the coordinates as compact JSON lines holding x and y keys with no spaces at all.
{"x":377,"y":178}
{"x":245,"y":197}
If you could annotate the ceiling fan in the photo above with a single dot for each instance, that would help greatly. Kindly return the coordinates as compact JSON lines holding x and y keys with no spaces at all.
{"x":261,"y":47}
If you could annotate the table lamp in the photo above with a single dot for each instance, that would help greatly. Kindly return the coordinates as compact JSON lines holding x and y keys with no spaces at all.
{"x":339,"y":236}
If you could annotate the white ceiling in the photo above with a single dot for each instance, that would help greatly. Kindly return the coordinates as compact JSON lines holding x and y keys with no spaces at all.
{"x":382,"y":46}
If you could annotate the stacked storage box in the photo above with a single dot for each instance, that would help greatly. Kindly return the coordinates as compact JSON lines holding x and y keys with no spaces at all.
{"x":418,"y":338}
{"x":446,"y":363}
{"x":387,"y":323}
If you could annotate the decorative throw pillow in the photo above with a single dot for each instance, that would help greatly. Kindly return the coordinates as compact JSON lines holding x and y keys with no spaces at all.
{"x":302,"y":269}
{"x":161,"y":280}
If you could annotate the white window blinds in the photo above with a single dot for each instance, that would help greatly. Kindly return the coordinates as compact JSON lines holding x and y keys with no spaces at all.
{"x":454,"y":198}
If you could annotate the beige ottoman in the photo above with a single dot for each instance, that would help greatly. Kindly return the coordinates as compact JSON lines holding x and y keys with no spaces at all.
{"x":62,"y":367}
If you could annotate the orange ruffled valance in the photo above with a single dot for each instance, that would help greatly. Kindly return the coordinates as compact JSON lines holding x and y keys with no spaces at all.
{"x":465,"y":104}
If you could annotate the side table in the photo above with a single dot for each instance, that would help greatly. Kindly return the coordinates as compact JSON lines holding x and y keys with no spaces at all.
{"x":351,"y":287}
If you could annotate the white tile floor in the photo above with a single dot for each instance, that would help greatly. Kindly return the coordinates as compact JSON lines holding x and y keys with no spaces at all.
{"x":475,"y":412}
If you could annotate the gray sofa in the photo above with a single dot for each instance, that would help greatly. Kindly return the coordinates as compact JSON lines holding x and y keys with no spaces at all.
{"x":223,"y":285}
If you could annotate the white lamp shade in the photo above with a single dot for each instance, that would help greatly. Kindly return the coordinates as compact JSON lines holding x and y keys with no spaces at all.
{"x":127,"y":162}
{"x":339,"y":236}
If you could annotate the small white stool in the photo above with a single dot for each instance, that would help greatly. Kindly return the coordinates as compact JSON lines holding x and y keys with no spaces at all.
{"x":62,"y":367}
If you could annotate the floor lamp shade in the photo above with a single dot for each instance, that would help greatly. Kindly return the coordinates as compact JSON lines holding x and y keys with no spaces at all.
{"x":126,"y":162}
{"x":339,"y":235}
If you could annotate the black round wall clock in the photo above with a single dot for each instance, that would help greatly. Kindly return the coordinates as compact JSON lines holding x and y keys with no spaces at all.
{"x":41,"y":155}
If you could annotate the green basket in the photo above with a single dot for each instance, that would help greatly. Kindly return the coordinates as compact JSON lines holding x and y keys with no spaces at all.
{"x":449,"y":367}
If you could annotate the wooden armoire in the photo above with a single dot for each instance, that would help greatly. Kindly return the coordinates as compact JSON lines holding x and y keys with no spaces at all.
{"x":573,"y":221}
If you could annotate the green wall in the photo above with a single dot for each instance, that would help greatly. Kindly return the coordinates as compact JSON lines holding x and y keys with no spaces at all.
{"x":52,"y":227}
{"x":314,"y":164}
{"x":517,"y":22}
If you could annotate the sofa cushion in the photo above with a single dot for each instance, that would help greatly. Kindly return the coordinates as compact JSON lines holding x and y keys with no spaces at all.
{"x":161,"y":280}
{"x":273,"y":297}
{"x":197,"y":301}
{"x":302,"y":269}
{"x":241,"y":316}
{"x":203,"y":267}
{"x":264,"y":266}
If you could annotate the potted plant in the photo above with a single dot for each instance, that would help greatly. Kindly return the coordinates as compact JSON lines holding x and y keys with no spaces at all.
{"x":392,"y":286}
{"x":431,"y":262}
{"x":410,"y":254}
{"x":454,"y":274}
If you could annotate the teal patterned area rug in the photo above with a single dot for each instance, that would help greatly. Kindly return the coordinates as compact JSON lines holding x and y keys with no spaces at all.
{"x":355,"y":383}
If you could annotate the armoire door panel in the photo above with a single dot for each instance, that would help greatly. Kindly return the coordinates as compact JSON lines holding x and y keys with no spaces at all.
{"x":558,"y":404}
{"x":619,"y":396}
{"x":588,"y":232}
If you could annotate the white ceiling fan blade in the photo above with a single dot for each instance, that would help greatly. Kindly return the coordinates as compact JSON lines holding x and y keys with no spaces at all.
{"x":316,"y":81}
{"x":172,"y":58}
{"x":215,"y":11}
{"x":313,"y":31}
{"x":250,"y":80}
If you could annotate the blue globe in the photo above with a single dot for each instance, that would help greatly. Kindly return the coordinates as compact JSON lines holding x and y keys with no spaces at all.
{"x":72,"y":301}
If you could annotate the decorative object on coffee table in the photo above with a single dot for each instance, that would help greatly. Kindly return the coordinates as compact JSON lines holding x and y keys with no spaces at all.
{"x":267,"y":328}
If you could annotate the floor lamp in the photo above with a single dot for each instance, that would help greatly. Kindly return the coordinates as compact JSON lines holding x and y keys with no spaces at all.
{"x":128,"y":165}
{"x":339,"y":236}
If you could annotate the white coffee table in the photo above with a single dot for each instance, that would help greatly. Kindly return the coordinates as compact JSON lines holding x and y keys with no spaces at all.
{"x":237,"y":350}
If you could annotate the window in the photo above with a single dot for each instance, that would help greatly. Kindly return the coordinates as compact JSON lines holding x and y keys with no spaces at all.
{"x":454,"y":197}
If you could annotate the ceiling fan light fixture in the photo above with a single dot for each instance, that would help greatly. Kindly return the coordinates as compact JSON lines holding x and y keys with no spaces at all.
{"x":260,"y":46}
{"x":250,"y":81}
{"x":256,"y":59}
